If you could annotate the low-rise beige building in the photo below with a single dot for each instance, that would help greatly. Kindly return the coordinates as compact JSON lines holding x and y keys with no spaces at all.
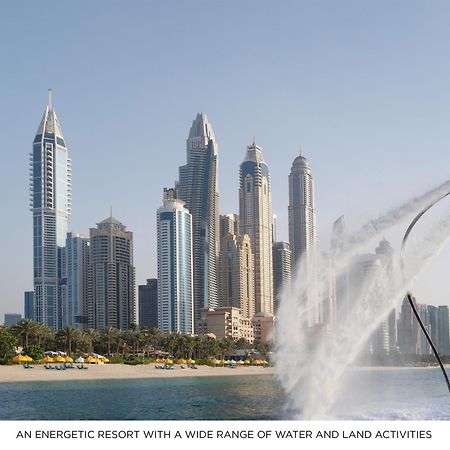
{"x":264,"y":328}
{"x":226,"y":322}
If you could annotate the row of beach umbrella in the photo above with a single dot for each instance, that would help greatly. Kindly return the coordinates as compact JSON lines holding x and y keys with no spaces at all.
{"x":60,"y":359}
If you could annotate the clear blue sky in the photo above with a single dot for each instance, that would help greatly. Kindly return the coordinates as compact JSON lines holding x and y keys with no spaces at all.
{"x":363,"y":86}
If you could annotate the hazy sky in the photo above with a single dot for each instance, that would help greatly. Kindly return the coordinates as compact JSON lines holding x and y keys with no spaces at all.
{"x":363,"y":86}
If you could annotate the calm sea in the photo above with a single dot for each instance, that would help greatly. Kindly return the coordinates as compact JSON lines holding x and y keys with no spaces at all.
{"x":391,"y":394}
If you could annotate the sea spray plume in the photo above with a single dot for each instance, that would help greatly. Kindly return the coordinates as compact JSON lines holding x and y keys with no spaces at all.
{"x":311,"y":361}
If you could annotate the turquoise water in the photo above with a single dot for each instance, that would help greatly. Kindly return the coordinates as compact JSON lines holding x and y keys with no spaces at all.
{"x":389,"y":394}
{"x":202,"y":398}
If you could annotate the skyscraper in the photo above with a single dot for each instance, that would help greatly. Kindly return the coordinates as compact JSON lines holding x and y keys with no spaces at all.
{"x":236,"y":268}
{"x":28,"y":305}
{"x":50,"y":179}
{"x":443,"y":336}
{"x":255,"y":213}
{"x":175,"y":287}
{"x":75,"y":301}
{"x":302,"y":215}
{"x":281,"y":269}
{"x":148,"y":304}
{"x":198,"y":190}
{"x":111,"y":291}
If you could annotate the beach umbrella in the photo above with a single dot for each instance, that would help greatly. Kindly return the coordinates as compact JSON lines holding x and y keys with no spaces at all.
{"x":80,"y":360}
{"x":69,"y":359}
{"x":232,"y":361}
{"x":192,"y":361}
{"x":247,"y":362}
{"x":19,"y":359}
{"x":28,"y":358}
{"x":47,"y":359}
{"x":240,"y":362}
{"x":59,"y":359}
{"x":169,"y":361}
{"x":222,"y":362}
{"x":105,"y":360}
{"x":89,"y":360}
{"x":181,"y":361}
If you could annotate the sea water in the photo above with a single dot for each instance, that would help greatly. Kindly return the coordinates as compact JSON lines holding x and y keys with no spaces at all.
{"x":368,"y":394}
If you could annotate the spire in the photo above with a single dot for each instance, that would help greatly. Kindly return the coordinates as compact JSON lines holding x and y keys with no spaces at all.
{"x":50,"y":105}
{"x":50,"y":123}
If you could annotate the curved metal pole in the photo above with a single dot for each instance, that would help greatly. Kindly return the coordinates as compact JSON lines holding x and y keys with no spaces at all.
{"x":409,"y":295}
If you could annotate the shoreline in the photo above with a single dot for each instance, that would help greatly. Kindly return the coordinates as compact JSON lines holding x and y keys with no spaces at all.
{"x":98,"y":372}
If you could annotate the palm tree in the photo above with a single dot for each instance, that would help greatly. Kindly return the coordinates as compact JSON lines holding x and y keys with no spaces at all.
{"x":155,"y":337}
{"x":42,"y":332}
{"x":69,"y":336}
{"x":24,"y":329}
{"x":90,"y":336}
{"x":109,"y":334}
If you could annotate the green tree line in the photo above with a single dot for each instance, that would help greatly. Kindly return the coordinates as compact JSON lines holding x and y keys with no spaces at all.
{"x":36,"y":338}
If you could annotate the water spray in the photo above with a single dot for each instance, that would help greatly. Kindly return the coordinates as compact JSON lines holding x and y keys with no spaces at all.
{"x":409,"y":295}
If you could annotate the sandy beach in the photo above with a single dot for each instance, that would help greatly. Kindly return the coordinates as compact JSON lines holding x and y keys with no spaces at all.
{"x":10,"y":374}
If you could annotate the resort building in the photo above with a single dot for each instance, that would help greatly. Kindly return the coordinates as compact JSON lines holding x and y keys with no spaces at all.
{"x":255,"y":213}
{"x":175,"y":271}
{"x":111,"y":291}
{"x":226,"y":322}
{"x":264,"y":328}
{"x":148,"y":304}
{"x":50,"y":203}
{"x":198,"y":189}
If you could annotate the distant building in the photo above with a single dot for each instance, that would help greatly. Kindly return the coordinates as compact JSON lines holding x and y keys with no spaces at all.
{"x":302,"y":215}
{"x":281,"y":269}
{"x":28,"y":305}
{"x":111,"y":294}
{"x":148,"y":304}
{"x":50,"y":202}
{"x":175,"y":271}
{"x":443,"y":337}
{"x":198,"y":190}
{"x":12,"y":319}
{"x":408,"y":329}
{"x":236,"y":268}
{"x":256,"y":220}
{"x":227,"y":322}
{"x":75,"y":300}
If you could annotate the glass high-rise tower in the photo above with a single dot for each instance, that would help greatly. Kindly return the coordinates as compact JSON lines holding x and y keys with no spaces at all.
{"x":198,"y":190}
{"x":256,"y":220}
{"x":50,"y":202}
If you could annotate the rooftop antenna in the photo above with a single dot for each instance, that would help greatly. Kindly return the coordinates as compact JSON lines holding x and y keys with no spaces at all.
{"x":50,"y":98}
{"x":300,"y":150}
{"x":110,"y":211}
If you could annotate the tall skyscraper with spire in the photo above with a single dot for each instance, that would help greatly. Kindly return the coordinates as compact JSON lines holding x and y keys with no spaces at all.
{"x":50,"y":202}
{"x":302,"y":215}
{"x":198,"y":190}
{"x":256,"y":220}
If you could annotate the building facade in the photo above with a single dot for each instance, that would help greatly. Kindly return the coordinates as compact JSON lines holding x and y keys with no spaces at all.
{"x":226,"y":322}
{"x":12,"y":319}
{"x":198,"y":189}
{"x":111,"y":275}
{"x":281,"y":269}
{"x":302,"y":215}
{"x":75,"y":302}
{"x":255,"y":214}
{"x":236,"y":273}
{"x":148,"y":304}
{"x":28,"y":305}
{"x":175,"y":267}
{"x":50,"y":202}
{"x":443,"y":337}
